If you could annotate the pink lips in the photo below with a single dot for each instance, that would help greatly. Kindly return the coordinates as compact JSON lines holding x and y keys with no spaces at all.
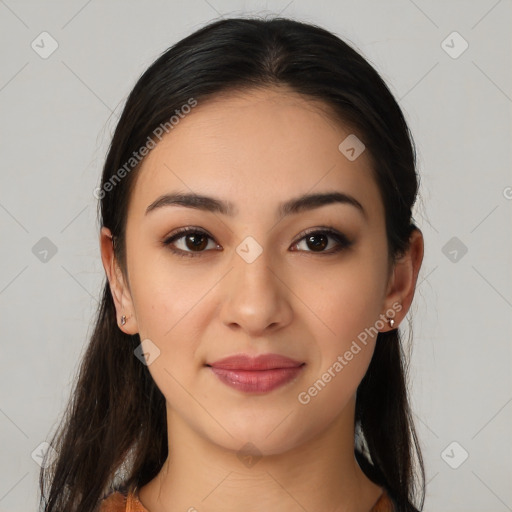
{"x":258,"y":374}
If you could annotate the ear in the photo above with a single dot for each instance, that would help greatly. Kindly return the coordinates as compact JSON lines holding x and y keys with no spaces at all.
{"x":119,"y":289}
{"x":402,"y":281}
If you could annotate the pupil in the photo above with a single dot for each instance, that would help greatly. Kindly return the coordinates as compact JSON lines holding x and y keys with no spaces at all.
{"x":321,"y":244}
{"x":195,"y":241}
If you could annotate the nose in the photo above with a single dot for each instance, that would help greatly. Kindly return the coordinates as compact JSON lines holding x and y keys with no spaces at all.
{"x":256,"y":298}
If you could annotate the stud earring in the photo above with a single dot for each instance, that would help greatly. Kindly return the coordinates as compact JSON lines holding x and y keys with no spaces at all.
{"x":391,"y":322}
{"x":123,"y":320}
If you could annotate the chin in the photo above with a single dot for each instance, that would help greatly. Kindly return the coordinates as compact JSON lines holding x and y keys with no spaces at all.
{"x":257,"y":440}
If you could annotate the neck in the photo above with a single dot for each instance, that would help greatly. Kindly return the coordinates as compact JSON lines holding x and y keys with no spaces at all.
{"x":319,"y":474}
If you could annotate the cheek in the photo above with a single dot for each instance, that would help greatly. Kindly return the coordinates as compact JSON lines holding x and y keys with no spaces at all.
{"x":346,"y":298}
{"x":170,"y":309}
{"x":348,"y":301}
{"x":344,"y":354}
{"x":169,"y":314}
{"x":167,"y":296}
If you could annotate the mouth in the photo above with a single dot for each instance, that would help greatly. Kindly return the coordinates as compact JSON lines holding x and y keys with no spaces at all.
{"x":259,"y":374}
{"x":246,"y":362}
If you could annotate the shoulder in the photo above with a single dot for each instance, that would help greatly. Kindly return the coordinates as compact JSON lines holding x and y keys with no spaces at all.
{"x":384,"y":504}
{"x":388,"y":503}
{"x":122,"y":500}
{"x":114,"y":502}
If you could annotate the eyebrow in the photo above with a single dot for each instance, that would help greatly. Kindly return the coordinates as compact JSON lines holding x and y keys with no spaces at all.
{"x":292,"y":206}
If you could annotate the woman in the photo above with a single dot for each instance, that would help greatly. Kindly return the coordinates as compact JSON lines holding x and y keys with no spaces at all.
{"x":260,"y":255}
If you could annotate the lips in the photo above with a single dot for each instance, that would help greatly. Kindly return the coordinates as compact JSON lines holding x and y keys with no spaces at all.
{"x":258,"y":374}
{"x":261,"y":362}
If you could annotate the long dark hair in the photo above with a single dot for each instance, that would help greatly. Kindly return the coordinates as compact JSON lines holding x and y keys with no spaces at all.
{"x":113,"y":432}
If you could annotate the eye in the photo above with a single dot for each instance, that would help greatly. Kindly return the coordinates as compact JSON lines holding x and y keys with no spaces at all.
{"x":195,"y":240}
{"x":318,"y":240}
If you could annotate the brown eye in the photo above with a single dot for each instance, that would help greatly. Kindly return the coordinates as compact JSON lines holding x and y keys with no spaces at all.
{"x":316,"y":241}
{"x":192,"y":240}
{"x":197,"y":241}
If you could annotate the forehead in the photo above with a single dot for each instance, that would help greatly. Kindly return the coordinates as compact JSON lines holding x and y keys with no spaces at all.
{"x":255,"y":148}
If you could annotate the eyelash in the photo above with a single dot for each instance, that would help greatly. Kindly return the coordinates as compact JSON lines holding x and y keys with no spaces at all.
{"x":341,"y":239}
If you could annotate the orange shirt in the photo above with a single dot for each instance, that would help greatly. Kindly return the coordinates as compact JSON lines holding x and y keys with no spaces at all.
{"x":121,"y":502}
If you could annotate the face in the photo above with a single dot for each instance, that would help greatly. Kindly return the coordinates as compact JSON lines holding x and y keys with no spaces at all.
{"x":253,"y":279}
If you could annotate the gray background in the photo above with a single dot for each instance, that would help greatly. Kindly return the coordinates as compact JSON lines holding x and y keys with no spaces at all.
{"x":58,"y":114}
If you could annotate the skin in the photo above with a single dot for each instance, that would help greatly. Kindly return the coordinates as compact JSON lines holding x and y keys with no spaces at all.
{"x":257,"y":149}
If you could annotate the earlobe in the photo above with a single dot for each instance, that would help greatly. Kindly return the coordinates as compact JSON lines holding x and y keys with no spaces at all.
{"x":402,"y":284}
{"x":118,"y":288}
